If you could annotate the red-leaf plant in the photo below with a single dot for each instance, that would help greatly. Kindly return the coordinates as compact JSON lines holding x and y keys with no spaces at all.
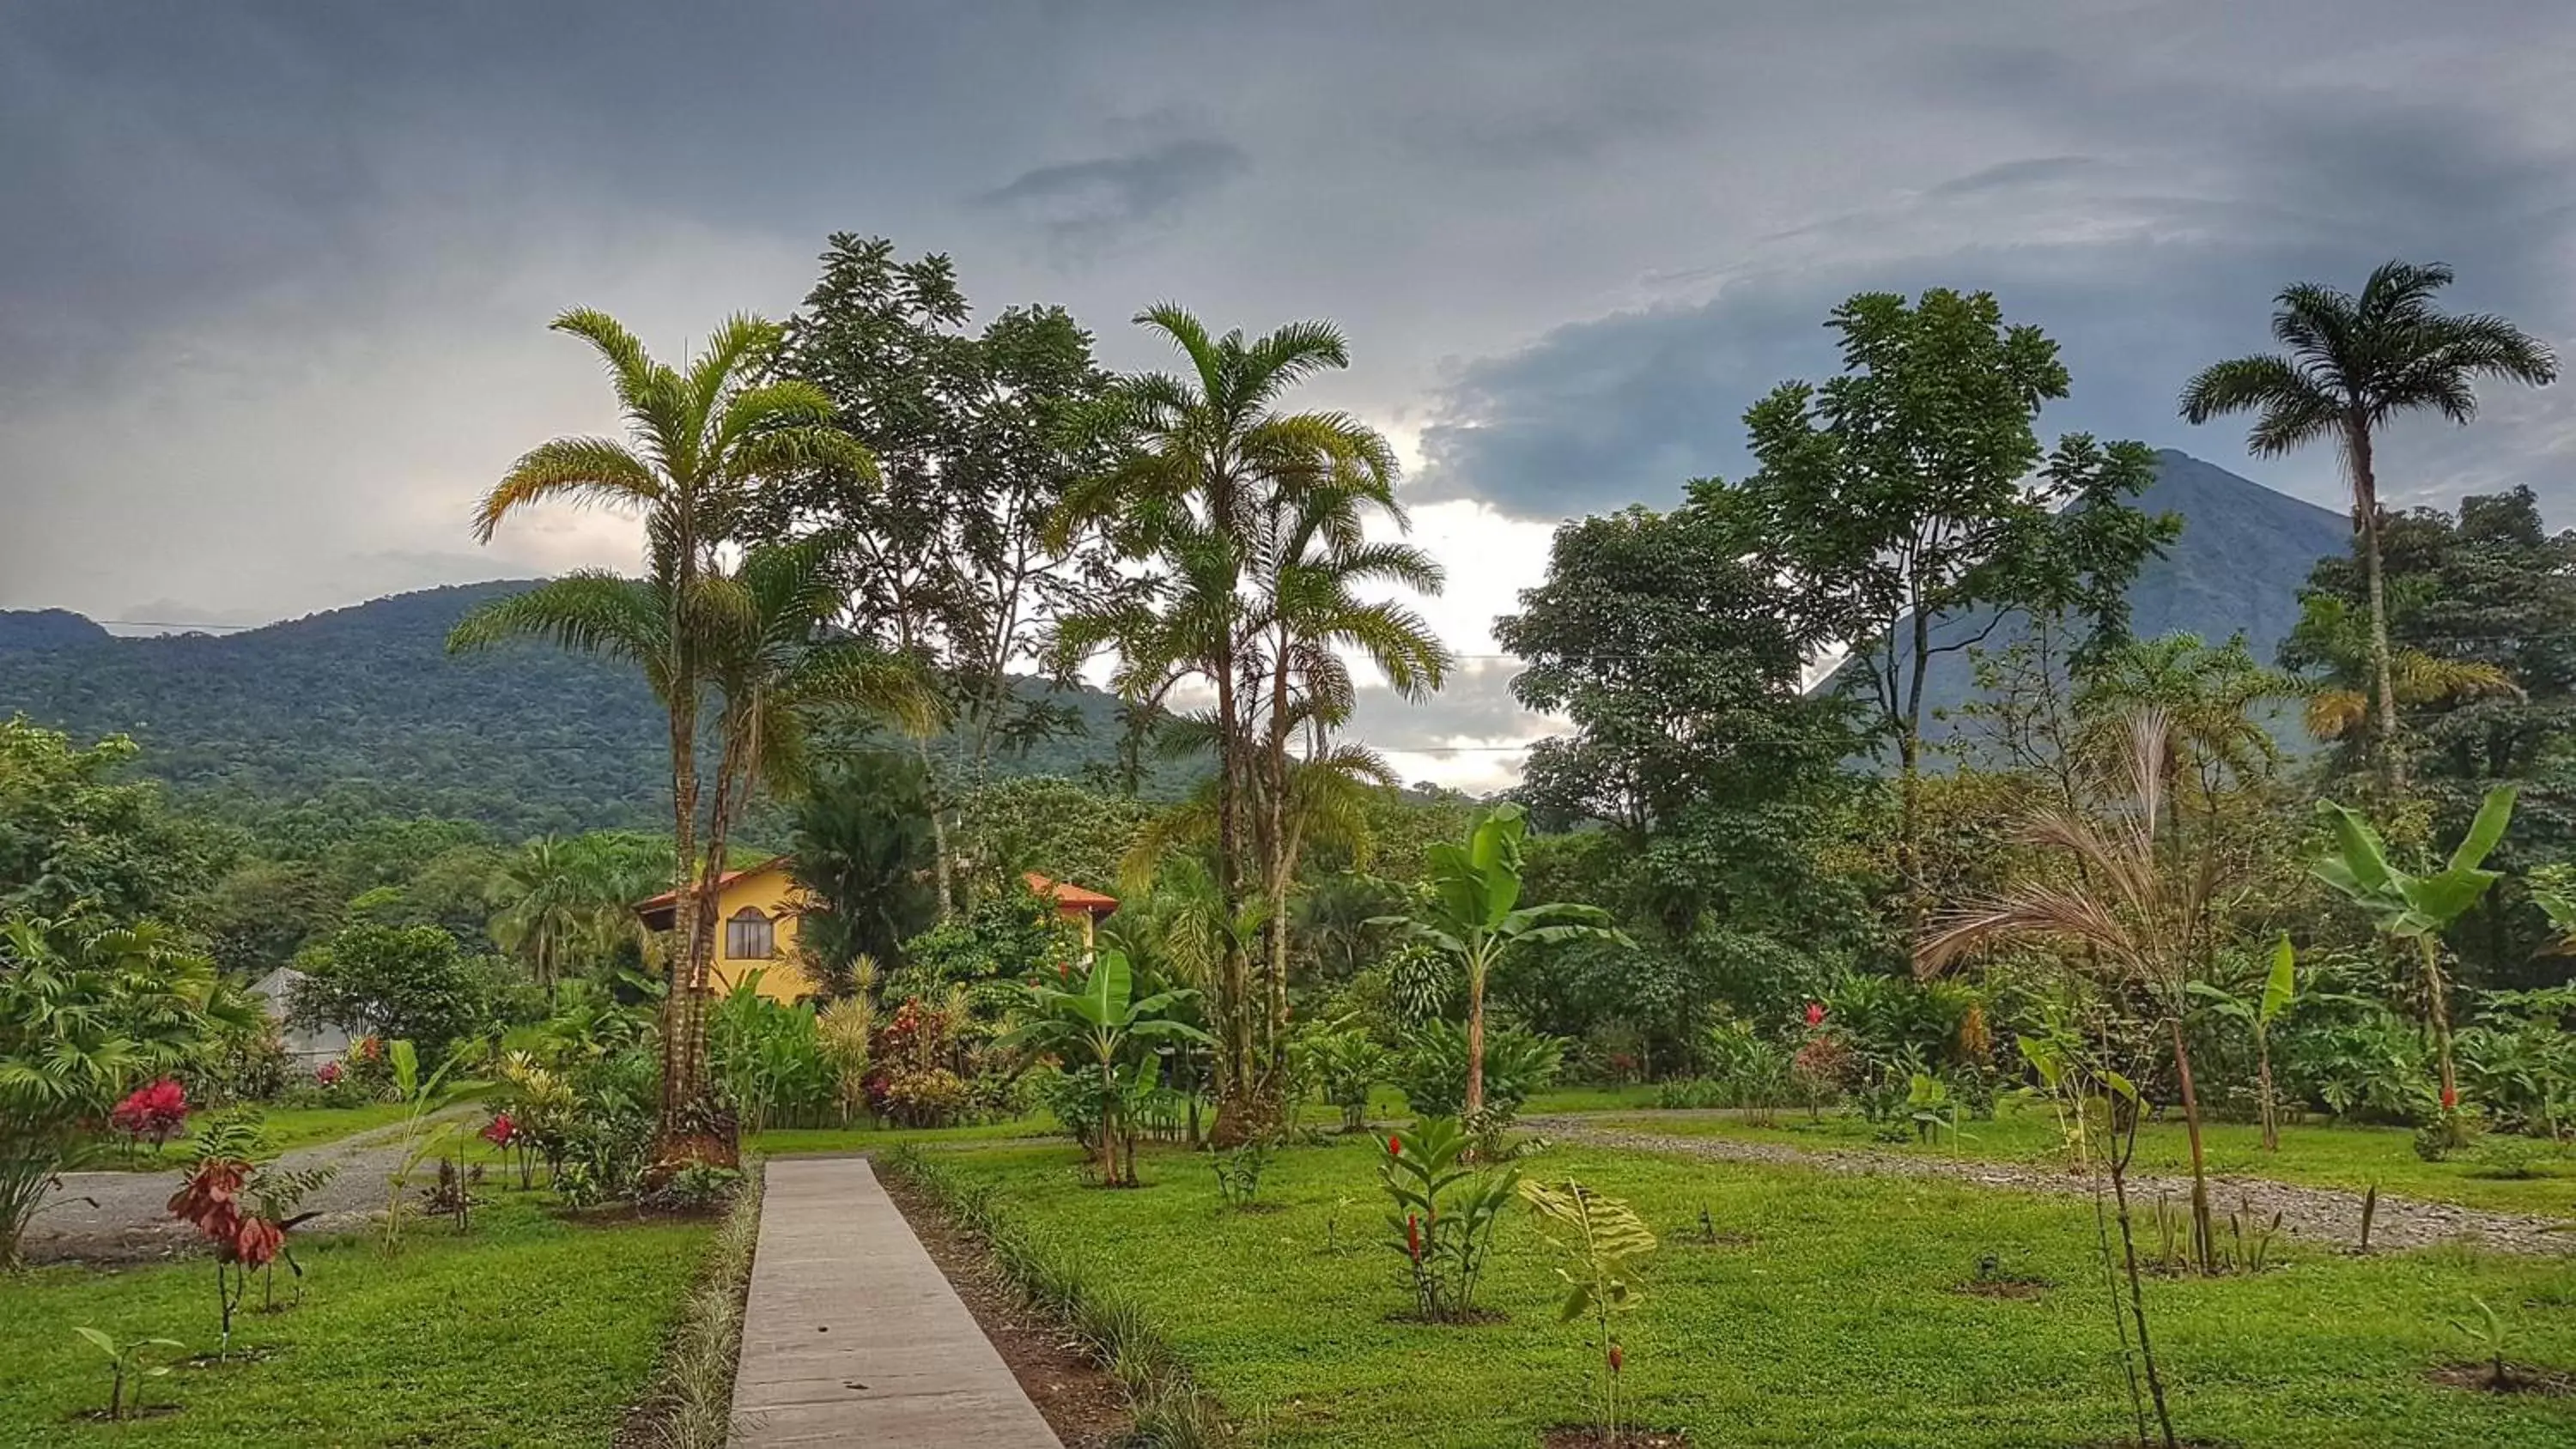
{"x":244,"y":1208}
{"x":157,"y":1112}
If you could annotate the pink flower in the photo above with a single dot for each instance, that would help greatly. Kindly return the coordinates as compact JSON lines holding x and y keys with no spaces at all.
{"x":1815,"y":1014}
{"x":500,"y":1131}
{"x":329,"y":1073}
{"x":155,"y":1111}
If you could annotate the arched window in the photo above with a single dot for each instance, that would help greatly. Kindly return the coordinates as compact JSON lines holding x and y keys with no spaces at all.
{"x":749,"y":936}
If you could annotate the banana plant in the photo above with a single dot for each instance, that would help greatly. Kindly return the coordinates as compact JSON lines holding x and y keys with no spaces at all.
{"x":1101,"y":1022}
{"x":2418,"y":908}
{"x":423,"y":1134}
{"x":1474,"y":916}
{"x":2256,"y":1014}
{"x":127,"y":1362}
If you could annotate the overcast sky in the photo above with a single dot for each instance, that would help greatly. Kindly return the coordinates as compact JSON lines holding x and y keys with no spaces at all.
{"x":274,"y":278}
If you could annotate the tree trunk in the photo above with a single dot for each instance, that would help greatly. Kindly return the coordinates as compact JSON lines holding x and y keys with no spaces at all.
{"x":2203,"y":1240}
{"x":2263,"y":1083}
{"x":942,"y":871}
{"x":2437,"y":1005}
{"x":1109,"y":1105}
{"x":678,"y":970}
{"x":2137,"y":1292}
{"x":1475,"y":1101}
{"x":2365,"y":505}
{"x":1909,"y":754}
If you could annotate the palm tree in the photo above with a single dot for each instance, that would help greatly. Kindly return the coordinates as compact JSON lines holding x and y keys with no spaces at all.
{"x":1208,"y":461}
{"x":701,"y":440}
{"x":2138,"y":913}
{"x":2352,"y":364}
{"x":548,"y":896}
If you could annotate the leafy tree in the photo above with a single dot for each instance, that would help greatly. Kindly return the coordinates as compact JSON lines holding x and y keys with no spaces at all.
{"x":1899,"y":497}
{"x":2351,"y":363}
{"x":862,"y":849}
{"x":1472,"y":914}
{"x":2256,"y":1011}
{"x":86,"y":1012}
{"x":1248,"y":524}
{"x":1061,"y":829}
{"x":72,"y":831}
{"x":1104,"y":1025}
{"x":411,"y":982}
{"x":704,"y":439}
{"x":971,"y":432}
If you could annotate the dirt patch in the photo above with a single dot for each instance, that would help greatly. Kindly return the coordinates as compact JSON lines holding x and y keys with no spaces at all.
{"x":2520,"y":1378}
{"x":2326,"y":1216}
{"x":1080,"y":1401}
{"x":1590,"y":1436}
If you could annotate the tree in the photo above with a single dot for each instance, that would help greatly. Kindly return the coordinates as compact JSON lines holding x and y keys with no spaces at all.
{"x":1231,"y":507}
{"x":88,"y":1011}
{"x":863,"y":850}
{"x":2351,"y":364}
{"x":2418,"y":908}
{"x":2256,"y":1011}
{"x":972,"y":435}
{"x":1896,"y":503}
{"x":2135,"y":916}
{"x":548,"y":898}
{"x":1103,"y":1024}
{"x":72,"y":831}
{"x":702,"y":441}
{"x":1472,"y":913}
{"x":412,"y":982}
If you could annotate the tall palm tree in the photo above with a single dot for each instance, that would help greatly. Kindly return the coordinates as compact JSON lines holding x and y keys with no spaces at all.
{"x":701,"y":439}
{"x":2352,"y":363}
{"x":547,"y":895}
{"x":1210,"y":458}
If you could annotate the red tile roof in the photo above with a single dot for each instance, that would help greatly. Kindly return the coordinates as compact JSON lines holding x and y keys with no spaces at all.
{"x":668,"y":899}
{"x":1065,"y":894}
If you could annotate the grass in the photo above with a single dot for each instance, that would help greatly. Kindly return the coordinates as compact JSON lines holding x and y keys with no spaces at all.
{"x":1838,"y":1323}
{"x":867,"y":1137}
{"x":2321,"y":1154}
{"x":287,"y":1128}
{"x":528,"y":1331}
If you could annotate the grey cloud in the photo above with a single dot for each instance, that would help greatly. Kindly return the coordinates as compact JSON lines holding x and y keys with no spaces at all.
{"x":1084,"y":205}
{"x":2037,"y":171}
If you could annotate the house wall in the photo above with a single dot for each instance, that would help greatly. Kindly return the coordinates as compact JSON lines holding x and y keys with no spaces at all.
{"x":775,"y":895}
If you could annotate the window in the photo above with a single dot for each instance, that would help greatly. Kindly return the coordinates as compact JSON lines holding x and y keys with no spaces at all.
{"x":749,"y":936}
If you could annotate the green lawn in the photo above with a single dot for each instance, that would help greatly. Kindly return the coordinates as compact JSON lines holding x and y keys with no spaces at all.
{"x":527,"y":1331}
{"x":866,"y":1137}
{"x":1837,"y":1324}
{"x":2318,"y":1154}
{"x":287,"y":1128}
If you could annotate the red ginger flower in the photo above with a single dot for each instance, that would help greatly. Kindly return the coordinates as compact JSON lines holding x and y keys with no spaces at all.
{"x":1394,"y":1146}
{"x":1413,"y":1236}
{"x":1815,"y":1014}
{"x":2450,"y":1099}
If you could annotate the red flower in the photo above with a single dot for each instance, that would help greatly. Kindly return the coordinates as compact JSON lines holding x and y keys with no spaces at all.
{"x":369,"y":1049}
{"x":155,"y":1111}
{"x":2450,"y":1099}
{"x":1394,"y":1146}
{"x":256,"y":1241}
{"x":329,"y":1074}
{"x":1413,"y":1236}
{"x":500,"y":1131}
{"x":1815,"y":1014}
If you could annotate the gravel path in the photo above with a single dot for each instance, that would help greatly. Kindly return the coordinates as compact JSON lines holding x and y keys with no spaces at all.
{"x":125,"y":1216}
{"x":2316,"y":1214}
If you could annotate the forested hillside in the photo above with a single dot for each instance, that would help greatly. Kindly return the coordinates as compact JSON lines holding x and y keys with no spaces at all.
{"x":365,"y":706}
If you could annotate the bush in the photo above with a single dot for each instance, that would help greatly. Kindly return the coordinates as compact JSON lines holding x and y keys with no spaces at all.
{"x":2447,"y":1134}
{"x":1433,"y":1073}
{"x":2508,"y":1157}
{"x":1346,"y":1065}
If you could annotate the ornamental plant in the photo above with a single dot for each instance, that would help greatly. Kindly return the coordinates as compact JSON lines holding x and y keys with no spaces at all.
{"x":126,"y":1361}
{"x":156,"y":1112}
{"x":1602,"y":1238}
{"x":1443,"y":1214}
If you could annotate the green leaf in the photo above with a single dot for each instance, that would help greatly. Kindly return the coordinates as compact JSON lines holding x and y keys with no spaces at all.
{"x":2494,"y":814}
{"x":2363,"y":859}
{"x":105,"y":1344}
{"x":2282,"y":984}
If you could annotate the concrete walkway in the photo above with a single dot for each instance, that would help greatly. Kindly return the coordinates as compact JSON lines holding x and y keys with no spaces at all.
{"x":852,"y":1336}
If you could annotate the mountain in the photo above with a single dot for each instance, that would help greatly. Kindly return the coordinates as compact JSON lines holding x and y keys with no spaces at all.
{"x":45,"y":629}
{"x":2244,"y":554}
{"x":362,"y":709}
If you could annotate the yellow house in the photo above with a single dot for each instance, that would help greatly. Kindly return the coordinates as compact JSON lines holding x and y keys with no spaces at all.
{"x":757,"y":910}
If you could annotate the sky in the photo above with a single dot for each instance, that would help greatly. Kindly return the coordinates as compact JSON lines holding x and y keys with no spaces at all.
{"x":274,"y":278}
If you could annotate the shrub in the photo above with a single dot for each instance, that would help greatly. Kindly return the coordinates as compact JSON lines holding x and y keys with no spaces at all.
{"x":1347,"y":1066}
{"x":155,"y":1112}
{"x":1603,"y":1237}
{"x":2447,"y":1134}
{"x":697,"y":1188}
{"x":2508,"y":1157}
{"x":1444,"y":1214}
{"x":1238,"y":1173}
{"x":1433,"y":1072}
